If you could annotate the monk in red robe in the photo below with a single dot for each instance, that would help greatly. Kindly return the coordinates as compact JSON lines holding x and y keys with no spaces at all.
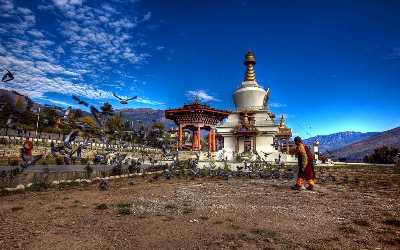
{"x":27,"y":148}
{"x":26,"y":154}
{"x":306,"y":166}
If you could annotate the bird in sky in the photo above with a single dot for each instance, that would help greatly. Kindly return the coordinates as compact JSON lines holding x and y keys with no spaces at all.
{"x":79,"y":101}
{"x":70,"y":137}
{"x":7,"y":76}
{"x":124,"y":100}
{"x":96,"y":115}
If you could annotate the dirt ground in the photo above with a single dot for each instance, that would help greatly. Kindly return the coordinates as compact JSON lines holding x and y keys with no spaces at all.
{"x":352,"y":208}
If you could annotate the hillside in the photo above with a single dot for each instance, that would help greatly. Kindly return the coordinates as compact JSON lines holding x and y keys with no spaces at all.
{"x":146,"y":116}
{"x":338,"y":140}
{"x":356,"y":151}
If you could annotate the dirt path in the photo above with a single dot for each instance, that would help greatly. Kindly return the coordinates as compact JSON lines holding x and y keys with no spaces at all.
{"x":351,"y":209}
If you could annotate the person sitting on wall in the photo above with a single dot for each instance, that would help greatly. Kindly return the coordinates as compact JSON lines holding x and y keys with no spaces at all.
{"x":306,"y":166}
{"x":26,"y":154}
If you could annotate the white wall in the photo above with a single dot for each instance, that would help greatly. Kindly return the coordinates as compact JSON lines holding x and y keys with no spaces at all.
{"x":263,"y":143}
{"x":229,"y":147}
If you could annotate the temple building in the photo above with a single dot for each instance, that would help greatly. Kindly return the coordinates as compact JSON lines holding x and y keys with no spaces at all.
{"x":191,"y":119}
{"x":251,"y":128}
{"x":282,"y":138}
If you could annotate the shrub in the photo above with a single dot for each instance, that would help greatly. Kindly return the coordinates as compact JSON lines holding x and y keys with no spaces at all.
{"x":38,"y":186}
{"x":89,"y":171}
{"x":116,"y":170}
{"x":347,"y":229}
{"x":227,"y":167}
{"x":238,"y":158}
{"x":392,"y":222}
{"x":124,"y":208}
{"x":59,"y":160}
{"x":102,"y":206}
{"x":84,"y":160}
{"x":48,"y":160}
{"x":361,"y":222}
{"x":213,"y":165}
{"x":205,"y":172}
{"x":264,"y":232}
{"x":13,"y":162}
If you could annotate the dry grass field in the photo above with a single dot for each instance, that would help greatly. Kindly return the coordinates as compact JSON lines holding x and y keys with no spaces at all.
{"x":352,"y":208}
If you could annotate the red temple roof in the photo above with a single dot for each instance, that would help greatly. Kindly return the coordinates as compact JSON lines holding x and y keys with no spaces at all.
{"x":198,"y":109}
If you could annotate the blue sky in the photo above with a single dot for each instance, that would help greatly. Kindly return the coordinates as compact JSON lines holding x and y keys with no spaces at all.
{"x":331,"y":65}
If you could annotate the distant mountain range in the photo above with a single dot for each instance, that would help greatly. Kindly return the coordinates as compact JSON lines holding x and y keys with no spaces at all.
{"x":355,"y":152}
{"x":146,"y":116}
{"x":338,"y":140}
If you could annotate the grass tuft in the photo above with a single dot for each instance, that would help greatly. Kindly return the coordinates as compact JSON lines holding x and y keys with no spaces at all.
{"x":102,"y":206}
{"x":347,"y":229}
{"x":392,"y":222}
{"x":361,"y":222}
{"x":264,"y":232}
{"x":124,"y":208}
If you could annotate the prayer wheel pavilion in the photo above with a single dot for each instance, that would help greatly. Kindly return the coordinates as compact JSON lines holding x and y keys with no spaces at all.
{"x":195,"y":117}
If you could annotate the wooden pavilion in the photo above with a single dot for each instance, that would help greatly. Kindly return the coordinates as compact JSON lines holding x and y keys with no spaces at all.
{"x":196,"y":117}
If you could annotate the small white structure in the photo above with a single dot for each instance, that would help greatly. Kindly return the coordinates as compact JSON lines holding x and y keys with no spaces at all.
{"x":251,"y":128}
{"x":316,"y":150}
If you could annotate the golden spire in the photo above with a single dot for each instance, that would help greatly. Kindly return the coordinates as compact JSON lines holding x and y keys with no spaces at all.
{"x":282,"y":122}
{"x":249,"y":61}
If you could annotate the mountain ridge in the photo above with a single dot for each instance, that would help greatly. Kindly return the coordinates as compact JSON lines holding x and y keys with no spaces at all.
{"x":337,"y":140}
{"x":357,"y":151}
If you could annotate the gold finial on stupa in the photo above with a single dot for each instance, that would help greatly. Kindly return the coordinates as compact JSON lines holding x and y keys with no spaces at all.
{"x":282,"y":122}
{"x":249,"y":61}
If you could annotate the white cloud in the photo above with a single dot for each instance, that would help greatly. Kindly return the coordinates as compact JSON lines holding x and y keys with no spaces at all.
{"x":96,"y":41}
{"x":108,"y":8}
{"x":66,"y":3}
{"x":394,"y":54}
{"x":98,"y":35}
{"x":36,"y":33}
{"x":32,"y":79}
{"x":145,"y":100}
{"x":60,"y":50}
{"x":147,"y":16}
{"x":277,"y":105}
{"x":200,"y":94}
{"x":6,"y":6}
{"x":30,"y":19}
{"x":62,"y":103}
{"x":24,"y":11}
{"x":54,"y":69}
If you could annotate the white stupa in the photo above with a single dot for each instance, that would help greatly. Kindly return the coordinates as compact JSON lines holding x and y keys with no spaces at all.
{"x":251,"y":128}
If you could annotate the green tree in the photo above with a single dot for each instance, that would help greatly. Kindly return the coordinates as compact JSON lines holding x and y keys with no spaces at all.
{"x":48,"y":117}
{"x":382,"y":155}
{"x":6,"y":111}
{"x":107,"y":109}
{"x":114,"y":124}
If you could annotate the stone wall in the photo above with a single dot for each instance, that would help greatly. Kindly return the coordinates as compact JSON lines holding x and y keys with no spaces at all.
{"x":10,"y":146}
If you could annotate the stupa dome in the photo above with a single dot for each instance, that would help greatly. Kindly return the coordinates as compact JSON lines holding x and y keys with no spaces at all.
{"x":250,"y":96}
